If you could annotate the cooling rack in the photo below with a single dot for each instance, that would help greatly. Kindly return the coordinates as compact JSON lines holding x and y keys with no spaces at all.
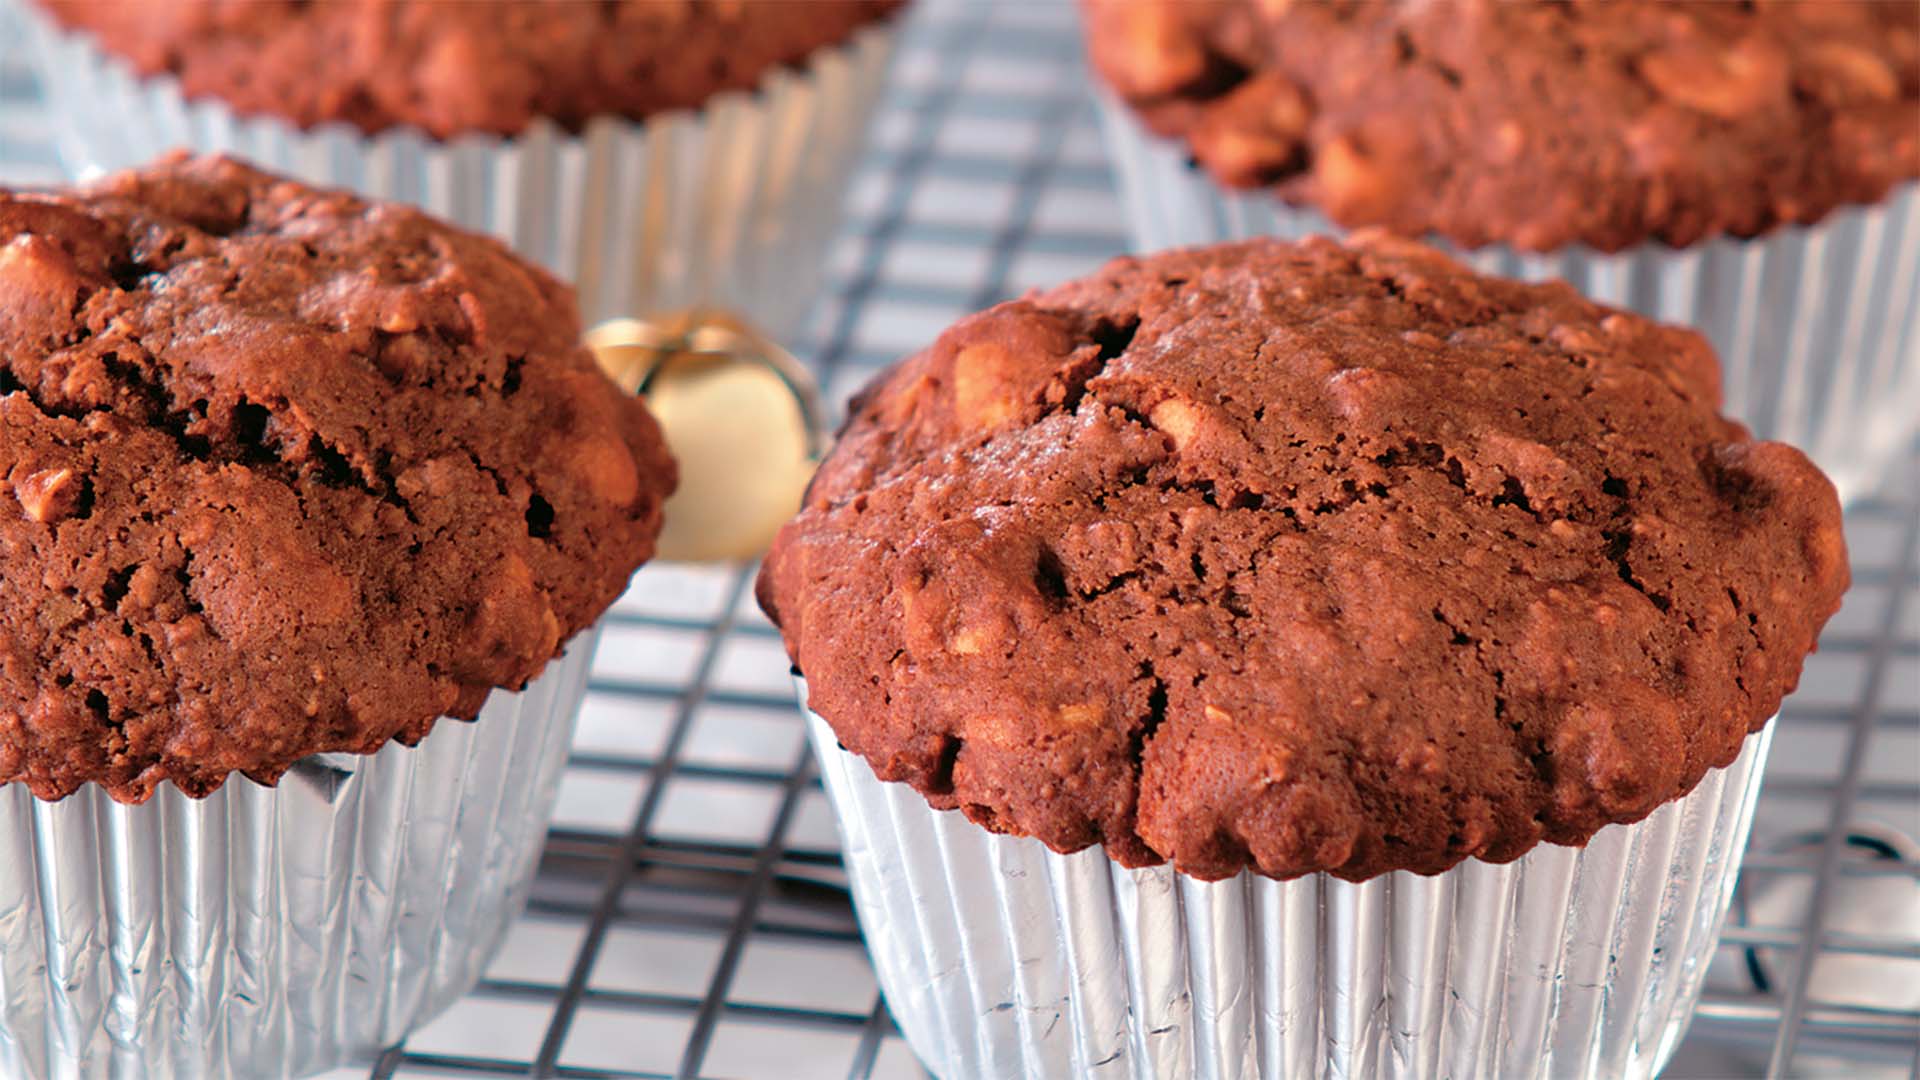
{"x":690,"y":918}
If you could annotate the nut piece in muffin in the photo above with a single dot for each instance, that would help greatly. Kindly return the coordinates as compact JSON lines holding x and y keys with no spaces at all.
{"x":450,"y":67}
{"x":1303,"y":558}
{"x":284,"y":471}
{"x":1535,"y":125}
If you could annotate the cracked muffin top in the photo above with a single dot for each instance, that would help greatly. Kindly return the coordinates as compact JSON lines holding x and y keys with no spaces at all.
{"x":283,"y":471}
{"x":1534,"y":125}
{"x":451,"y":67}
{"x":1303,"y":558}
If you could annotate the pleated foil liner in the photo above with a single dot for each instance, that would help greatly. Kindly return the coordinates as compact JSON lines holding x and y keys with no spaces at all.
{"x":275,"y":932}
{"x":999,"y":958}
{"x":733,"y":204}
{"x":1817,"y":327}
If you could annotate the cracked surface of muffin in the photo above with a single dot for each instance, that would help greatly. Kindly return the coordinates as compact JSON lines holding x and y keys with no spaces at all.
{"x":1303,"y":558}
{"x":1531,"y":124}
{"x":451,"y":67}
{"x":284,"y":471}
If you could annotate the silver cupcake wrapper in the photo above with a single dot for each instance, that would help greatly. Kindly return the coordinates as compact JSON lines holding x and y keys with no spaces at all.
{"x":1817,"y":327}
{"x":265,"y":932}
{"x":731,"y":205}
{"x":1000,"y":958}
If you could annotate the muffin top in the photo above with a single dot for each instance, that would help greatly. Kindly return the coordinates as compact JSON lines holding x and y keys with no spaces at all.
{"x":1535,"y":125}
{"x":1303,"y":558}
{"x":283,"y":471}
{"x":455,"y":66}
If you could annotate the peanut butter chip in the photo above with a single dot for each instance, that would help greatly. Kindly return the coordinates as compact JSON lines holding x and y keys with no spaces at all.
{"x":48,"y":495}
{"x":1729,"y":85}
{"x":1161,"y":55}
{"x":968,"y":642}
{"x":605,"y":467}
{"x":1352,"y":185}
{"x":1080,"y":716}
{"x":1179,"y":419}
{"x":37,"y":280}
{"x":1846,"y":74}
{"x":980,"y":390}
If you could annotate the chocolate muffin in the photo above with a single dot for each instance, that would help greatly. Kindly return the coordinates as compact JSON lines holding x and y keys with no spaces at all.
{"x":1303,"y":558}
{"x":284,"y":471}
{"x":449,"y":67}
{"x":1535,"y":125}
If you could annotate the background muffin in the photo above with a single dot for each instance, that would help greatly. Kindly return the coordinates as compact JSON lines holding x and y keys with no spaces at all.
{"x":1532,"y":125}
{"x":284,"y":472}
{"x":1574,"y":133}
{"x":657,"y":154}
{"x":1297,"y":559}
{"x":454,"y":68}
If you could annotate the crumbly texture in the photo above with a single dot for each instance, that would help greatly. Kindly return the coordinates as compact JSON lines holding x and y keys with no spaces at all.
{"x":1535,"y":125}
{"x":456,"y":66}
{"x":283,"y":471}
{"x":1303,"y":558}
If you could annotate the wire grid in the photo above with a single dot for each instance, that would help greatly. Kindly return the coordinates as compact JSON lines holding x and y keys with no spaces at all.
{"x":690,"y":918}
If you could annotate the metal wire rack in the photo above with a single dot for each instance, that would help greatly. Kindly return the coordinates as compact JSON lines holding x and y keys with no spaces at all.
{"x":690,"y":918}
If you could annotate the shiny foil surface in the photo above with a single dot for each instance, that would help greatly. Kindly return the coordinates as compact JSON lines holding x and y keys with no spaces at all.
{"x":274,"y":932}
{"x":733,"y":204}
{"x":999,"y":958}
{"x":1817,"y":327}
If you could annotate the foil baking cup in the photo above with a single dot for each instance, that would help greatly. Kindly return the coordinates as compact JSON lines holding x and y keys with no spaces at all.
{"x":1817,"y":327}
{"x":275,"y":931}
{"x":732,"y":205}
{"x":1001,"y":958}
